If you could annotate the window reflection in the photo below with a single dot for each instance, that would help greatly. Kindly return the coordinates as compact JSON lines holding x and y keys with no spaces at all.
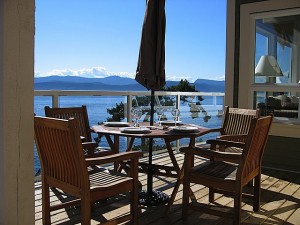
{"x":279,"y":37}
{"x":280,"y":104}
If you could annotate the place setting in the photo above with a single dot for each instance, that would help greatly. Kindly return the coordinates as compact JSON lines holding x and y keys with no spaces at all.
{"x":135,"y":130}
{"x":136,"y":113}
{"x":116,"y":124}
{"x":184,"y":129}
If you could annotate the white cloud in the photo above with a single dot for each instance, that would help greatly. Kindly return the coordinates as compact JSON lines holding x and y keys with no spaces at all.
{"x":100,"y":72}
{"x":219,"y":78}
{"x":94,"y":72}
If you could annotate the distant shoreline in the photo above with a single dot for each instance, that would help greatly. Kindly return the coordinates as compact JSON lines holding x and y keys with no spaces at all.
{"x":114,"y":83}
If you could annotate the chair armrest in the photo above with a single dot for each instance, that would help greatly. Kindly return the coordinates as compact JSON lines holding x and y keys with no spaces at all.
{"x":215,"y":130}
{"x":208,"y":153}
{"x":99,"y":154}
{"x":226,"y":143}
{"x":90,"y":148}
{"x":236,"y":138}
{"x":89,"y":145}
{"x":113,"y":158}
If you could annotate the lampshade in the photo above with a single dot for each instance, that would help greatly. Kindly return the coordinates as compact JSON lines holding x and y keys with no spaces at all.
{"x":268,"y":66}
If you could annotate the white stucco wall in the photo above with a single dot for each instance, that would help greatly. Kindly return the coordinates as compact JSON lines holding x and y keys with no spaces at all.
{"x":16,"y":111}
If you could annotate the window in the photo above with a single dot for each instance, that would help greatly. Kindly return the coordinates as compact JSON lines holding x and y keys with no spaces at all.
{"x":269,"y":62}
{"x":276,"y":64}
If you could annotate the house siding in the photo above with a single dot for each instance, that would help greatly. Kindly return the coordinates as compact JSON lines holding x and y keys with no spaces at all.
{"x":282,"y":153}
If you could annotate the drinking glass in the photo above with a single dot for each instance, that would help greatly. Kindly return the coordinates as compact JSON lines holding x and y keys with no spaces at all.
{"x":133,"y":112}
{"x":176,"y":113}
{"x":136,"y":113}
{"x":160,"y":113}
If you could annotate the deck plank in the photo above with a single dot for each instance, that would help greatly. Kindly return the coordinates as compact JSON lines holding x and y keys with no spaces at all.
{"x":280,"y":202}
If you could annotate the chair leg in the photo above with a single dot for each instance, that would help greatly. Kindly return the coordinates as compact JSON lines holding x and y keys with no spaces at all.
{"x":46,"y":203}
{"x":85,"y":209}
{"x":256,"y":199}
{"x":134,"y":194}
{"x":237,"y":208}
{"x":134,"y":207}
{"x":211,"y":195}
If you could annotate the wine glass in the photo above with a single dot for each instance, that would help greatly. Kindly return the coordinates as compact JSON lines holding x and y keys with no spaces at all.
{"x":133,"y":112}
{"x":160,"y":113}
{"x":139,"y":114}
{"x":136,"y":113}
{"x":176,"y":113}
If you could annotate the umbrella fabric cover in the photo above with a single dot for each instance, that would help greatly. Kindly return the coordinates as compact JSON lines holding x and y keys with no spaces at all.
{"x":151,"y":64}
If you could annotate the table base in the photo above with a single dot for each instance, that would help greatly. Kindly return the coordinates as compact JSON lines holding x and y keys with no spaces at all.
{"x":153,"y":198}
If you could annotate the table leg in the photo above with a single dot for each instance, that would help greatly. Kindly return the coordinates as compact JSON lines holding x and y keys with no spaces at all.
{"x":151,"y":197}
{"x":179,"y":181}
{"x":172,"y":157}
{"x":175,"y":190}
{"x":130,"y":144}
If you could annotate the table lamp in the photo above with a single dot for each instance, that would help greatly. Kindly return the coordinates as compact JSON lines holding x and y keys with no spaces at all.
{"x":268,"y":66}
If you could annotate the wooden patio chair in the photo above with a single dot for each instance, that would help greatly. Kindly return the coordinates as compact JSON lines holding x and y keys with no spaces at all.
{"x":65,"y":167}
{"x":235,"y":127}
{"x":91,"y":148}
{"x":226,"y":177}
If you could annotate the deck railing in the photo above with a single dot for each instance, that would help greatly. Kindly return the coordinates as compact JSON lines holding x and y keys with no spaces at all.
{"x":129,"y":95}
{"x":97,"y":103}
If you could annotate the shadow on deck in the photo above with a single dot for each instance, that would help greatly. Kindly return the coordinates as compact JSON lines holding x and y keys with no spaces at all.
{"x":280,"y":203}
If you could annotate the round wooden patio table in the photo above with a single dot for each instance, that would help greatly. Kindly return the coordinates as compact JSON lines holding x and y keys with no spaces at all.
{"x":168,"y":135}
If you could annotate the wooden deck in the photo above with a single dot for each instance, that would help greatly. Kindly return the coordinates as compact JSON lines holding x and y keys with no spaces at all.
{"x":280,"y":203}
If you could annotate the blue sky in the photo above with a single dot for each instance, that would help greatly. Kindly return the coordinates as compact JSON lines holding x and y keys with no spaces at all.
{"x":98,"y":38}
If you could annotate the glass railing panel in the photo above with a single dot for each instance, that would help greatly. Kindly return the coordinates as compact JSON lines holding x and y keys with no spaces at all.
{"x":97,"y":106}
{"x":204,"y":111}
{"x":39,"y":104}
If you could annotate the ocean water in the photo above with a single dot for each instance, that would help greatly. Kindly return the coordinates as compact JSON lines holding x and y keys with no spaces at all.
{"x":97,"y":111}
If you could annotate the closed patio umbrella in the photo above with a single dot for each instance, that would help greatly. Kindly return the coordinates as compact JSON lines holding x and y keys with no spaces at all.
{"x":151,"y":74}
{"x":151,"y":64}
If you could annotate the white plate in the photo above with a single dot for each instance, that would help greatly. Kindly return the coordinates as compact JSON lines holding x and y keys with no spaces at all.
{"x":116,"y":124}
{"x":169,"y":122}
{"x":135,"y":130}
{"x":185,"y":129}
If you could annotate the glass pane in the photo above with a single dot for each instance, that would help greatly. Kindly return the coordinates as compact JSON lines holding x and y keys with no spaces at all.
{"x":280,"y":104}
{"x":277,"y":50}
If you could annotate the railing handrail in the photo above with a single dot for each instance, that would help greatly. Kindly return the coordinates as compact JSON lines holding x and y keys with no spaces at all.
{"x":55,"y":94}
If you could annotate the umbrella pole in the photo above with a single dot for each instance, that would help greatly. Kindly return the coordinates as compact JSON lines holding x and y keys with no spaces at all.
{"x":150,"y":197}
{"x":150,"y":167}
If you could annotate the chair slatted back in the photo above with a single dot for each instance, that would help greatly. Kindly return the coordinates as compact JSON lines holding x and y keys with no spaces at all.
{"x":60,"y":151}
{"x":237,"y":121}
{"x":73,"y":112}
{"x":254,"y":147}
